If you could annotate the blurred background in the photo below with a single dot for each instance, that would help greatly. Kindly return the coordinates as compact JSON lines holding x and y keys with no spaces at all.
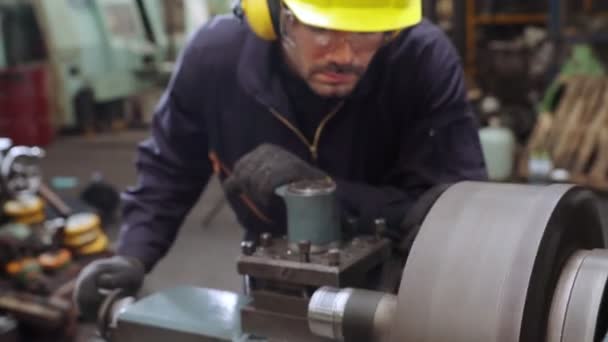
{"x":79,"y":80}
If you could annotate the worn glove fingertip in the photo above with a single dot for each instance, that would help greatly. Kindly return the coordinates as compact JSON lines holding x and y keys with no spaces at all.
{"x":87,"y":298}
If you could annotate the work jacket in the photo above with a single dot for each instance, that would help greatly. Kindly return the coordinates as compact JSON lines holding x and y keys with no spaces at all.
{"x":405,"y":128}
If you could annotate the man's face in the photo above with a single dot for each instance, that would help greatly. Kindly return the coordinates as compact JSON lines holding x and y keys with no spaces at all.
{"x":331,"y":62}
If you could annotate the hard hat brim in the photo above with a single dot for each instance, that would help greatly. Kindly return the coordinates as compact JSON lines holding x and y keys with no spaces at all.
{"x":357,"y":19}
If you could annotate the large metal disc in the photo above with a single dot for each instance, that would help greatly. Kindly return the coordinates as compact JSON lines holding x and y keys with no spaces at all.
{"x":486,"y":261}
{"x":584,"y":297}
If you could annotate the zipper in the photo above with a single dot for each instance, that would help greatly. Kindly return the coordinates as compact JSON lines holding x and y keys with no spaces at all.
{"x":313,"y":147}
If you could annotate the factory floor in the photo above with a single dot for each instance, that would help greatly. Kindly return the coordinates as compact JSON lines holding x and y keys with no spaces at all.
{"x":203,"y":255}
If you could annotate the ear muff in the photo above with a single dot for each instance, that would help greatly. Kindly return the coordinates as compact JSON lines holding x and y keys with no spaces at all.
{"x":262,"y":16}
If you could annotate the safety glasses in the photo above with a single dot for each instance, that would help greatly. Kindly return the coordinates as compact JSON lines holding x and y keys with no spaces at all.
{"x":322,"y":38}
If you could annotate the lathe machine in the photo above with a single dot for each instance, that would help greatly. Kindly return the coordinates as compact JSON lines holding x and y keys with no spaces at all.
{"x":489,"y":262}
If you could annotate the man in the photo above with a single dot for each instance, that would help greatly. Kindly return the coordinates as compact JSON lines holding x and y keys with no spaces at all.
{"x":364,"y":92}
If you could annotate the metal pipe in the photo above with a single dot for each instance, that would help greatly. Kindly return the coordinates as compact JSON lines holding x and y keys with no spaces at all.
{"x":312,"y":213}
{"x":351,"y":314}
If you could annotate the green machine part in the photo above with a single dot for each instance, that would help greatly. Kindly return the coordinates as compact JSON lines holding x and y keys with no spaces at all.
{"x":3,"y":62}
{"x":184,"y":17}
{"x":104,"y":51}
{"x":183,"y":314}
{"x":110,"y":49}
{"x":20,"y":37}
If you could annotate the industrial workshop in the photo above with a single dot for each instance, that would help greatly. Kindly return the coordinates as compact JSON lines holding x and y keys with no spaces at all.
{"x":304,"y":170}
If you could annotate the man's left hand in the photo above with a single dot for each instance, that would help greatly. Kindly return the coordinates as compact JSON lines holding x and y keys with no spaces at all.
{"x":260,"y":172}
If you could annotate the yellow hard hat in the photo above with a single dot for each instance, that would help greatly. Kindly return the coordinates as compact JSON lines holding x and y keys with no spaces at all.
{"x":358,"y":15}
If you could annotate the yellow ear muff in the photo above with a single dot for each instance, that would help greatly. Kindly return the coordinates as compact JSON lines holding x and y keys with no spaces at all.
{"x":259,"y":17}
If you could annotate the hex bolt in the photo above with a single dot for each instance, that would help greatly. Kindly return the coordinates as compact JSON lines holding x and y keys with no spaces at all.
{"x":304,"y":249}
{"x":380,"y":227}
{"x":247,"y":248}
{"x":266,"y":240}
{"x":334,"y":257}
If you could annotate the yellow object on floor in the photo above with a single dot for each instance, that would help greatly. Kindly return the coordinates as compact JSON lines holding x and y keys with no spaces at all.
{"x":82,"y":239}
{"x":84,"y":235}
{"x":38,"y":217}
{"x":82,"y":229}
{"x":98,"y":246}
{"x":25,"y":210}
{"x":81,"y":223}
{"x":24,"y":206}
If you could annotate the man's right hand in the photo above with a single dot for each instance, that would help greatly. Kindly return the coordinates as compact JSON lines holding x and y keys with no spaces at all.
{"x":117,"y":272}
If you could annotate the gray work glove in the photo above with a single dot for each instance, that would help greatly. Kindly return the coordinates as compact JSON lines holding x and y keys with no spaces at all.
{"x":101,"y":276}
{"x":258,"y":173}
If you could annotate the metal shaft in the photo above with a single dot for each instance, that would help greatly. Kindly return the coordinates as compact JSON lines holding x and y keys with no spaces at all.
{"x":351,"y":315}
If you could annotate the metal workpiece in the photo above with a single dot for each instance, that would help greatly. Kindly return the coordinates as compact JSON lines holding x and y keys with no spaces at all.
{"x":487,"y":259}
{"x":312,"y":213}
{"x":351,"y":315}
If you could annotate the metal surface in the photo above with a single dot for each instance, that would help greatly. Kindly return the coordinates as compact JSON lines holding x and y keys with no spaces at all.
{"x":583,"y":312}
{"x":561,"y":298}
{"x":487,"y":260}
{"x":183,"y":314}
{"x":276,"y":326}
{"x":281,"y":263}
{"x":384,"y":317}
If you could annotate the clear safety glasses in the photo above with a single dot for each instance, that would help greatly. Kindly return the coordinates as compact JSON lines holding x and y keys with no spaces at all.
{"x":294,"y":30}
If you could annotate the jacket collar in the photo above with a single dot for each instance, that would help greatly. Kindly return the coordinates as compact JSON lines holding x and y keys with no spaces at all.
{"x":257,"y":74}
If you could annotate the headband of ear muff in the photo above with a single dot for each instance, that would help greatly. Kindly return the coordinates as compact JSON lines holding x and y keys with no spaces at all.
{"x":262,"y":16}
